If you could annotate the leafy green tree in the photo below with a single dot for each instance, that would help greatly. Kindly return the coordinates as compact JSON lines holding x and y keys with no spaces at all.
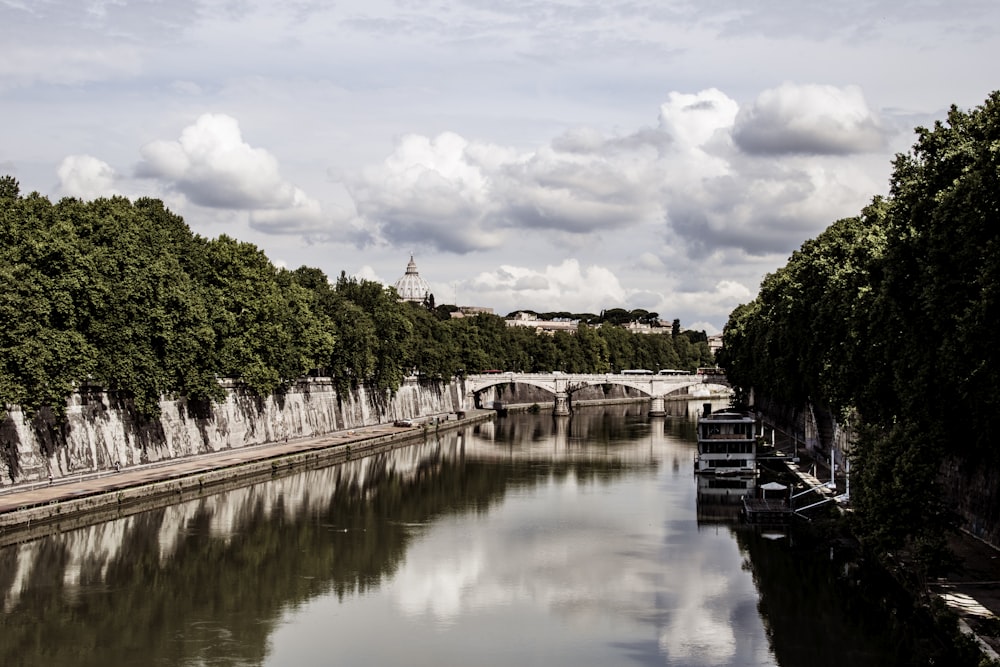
{"x":247,"y":305}
{"x":568,"y":354}
{"x":353,"y":360}
{"x":44,"y":278}
{"x":433,"y":354}
{"x":891,"y":315}
{"x":520,"y":350}
{"x":619,"y":342}
{"x":593,"y":348}
{"x":392,"y":328}
{"x":10,"y":189}
{"x":616,"y":316}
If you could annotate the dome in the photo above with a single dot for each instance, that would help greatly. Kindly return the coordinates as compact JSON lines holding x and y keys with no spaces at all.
{"x":411,"y":287}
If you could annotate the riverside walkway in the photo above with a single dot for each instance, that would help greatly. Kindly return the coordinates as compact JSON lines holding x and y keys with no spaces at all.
{"x":971,"y":589}
{"x":31,"y":510}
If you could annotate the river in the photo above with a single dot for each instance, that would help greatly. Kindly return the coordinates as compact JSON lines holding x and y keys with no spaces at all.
{"x":531,"y":540}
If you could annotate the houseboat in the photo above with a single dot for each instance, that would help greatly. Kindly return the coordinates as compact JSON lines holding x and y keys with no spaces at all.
{"x":727,"y":443}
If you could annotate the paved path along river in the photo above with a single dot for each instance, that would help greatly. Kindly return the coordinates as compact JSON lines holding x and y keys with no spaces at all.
{"x":16,"y":497}
{"x":28,"y":503}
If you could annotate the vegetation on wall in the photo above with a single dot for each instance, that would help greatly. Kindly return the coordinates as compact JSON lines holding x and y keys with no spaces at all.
{"x":122,"y":295}
{"x":892,"y":315}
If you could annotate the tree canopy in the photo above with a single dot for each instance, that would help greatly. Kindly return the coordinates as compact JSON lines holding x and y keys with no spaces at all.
{"x":122,"y":296}
{"x":891,"y":315}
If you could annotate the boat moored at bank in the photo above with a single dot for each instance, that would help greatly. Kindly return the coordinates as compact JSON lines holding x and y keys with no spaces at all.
{"x":727,"y":443}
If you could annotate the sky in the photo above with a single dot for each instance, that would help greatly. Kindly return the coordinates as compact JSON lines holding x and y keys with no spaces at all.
{"x":553,"y":156}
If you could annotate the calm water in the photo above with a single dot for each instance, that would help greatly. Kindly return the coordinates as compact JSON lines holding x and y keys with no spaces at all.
{"x":528,"y":541}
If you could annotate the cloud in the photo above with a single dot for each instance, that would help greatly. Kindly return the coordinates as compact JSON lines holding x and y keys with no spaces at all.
{"x":810,"y":120}
{"x":85,"y":177}
{"x":457,"y":195}
{"x":531,"y":282}
{"x":301,"y":216}
{"x":650,"y":262}
{"x":430,"y":192}
{"x":696,"y":121}
{"x":575,"y":288}
{"x":214,"y":167}
{"x":685,"y":179}
{"x":607,"y":187}
{"x":718,"y":195}
{"x":67,"y":63}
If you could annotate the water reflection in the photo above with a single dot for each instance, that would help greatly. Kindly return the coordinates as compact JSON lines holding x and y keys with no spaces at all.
{"x":531,"y":539}
{"x":720,"y":499}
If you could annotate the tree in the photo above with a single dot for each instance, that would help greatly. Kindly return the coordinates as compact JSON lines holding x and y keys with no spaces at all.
{"x":391,"y":326}
{"x":890,"y":314}
{"x":619,"y":343}
{"x":44,"y":279}
{"x":9,"y":188}
{"x":593,"y":348}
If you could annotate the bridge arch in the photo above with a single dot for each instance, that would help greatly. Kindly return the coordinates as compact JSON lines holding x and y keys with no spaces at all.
{"x":563,"y":385}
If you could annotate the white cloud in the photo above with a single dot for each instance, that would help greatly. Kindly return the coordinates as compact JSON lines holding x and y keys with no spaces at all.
{"x":302,"y":216}
{"x":365,"y":273}
{"x":606,"y":188}
{"x":718,"y":197}
{"x":85,"y":177}
{"x":457,"y":195}
{"x":213,"y":166}
{"x":565,"y":286}
{"x":694,"y":121}
{"x":429,"y":191}
{"x":809,"y":119}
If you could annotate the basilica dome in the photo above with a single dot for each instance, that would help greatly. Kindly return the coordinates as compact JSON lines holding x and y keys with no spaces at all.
{"x":411,"y":287}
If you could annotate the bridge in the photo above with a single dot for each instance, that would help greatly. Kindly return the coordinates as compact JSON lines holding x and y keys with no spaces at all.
{"x":562,"y":385}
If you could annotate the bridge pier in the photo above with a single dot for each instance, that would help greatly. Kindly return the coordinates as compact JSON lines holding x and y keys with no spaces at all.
{"x":657,"y":407}
{"x":561,"y":406}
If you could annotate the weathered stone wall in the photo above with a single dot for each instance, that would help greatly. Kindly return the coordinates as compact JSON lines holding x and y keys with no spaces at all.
{"x":973,"y":492}
{"x":101,"y":429}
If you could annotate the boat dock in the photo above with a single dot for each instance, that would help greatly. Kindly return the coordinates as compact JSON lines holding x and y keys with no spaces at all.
{"x":766,"y":510}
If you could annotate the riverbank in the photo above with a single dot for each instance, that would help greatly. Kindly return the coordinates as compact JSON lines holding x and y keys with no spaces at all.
{"x":33,"y":510}
{"x":970,"y":591}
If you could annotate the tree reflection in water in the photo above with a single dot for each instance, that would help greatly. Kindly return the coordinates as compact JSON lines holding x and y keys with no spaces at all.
{"x":217,"y":580}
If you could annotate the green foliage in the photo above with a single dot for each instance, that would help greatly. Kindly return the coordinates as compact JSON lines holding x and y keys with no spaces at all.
{"x":892,"y":315}
{"x":385,"y":325}
{"x":122,"y":295}
{"x":45,"y":279}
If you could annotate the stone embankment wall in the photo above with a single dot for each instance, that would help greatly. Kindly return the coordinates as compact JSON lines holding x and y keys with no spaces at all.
{"x":101,"y":430}
{"x":973,"y":492}
{"x":817,"y":429}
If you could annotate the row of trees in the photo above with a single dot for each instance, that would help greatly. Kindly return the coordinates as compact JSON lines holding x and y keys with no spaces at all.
{"x":122,"y":295}
{"x":892,"y":316}
{"x":610,"y":316}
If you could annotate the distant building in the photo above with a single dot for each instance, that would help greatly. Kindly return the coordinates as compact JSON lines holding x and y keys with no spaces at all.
{"x":644,"y":328}
{"x":411,"y":287}
{"x":523,"y":319}
{"x":715,"y":343}
{"x":466,"y":311}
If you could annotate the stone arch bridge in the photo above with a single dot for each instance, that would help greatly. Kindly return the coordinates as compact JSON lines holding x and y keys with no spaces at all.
{"x":562,"y":385}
